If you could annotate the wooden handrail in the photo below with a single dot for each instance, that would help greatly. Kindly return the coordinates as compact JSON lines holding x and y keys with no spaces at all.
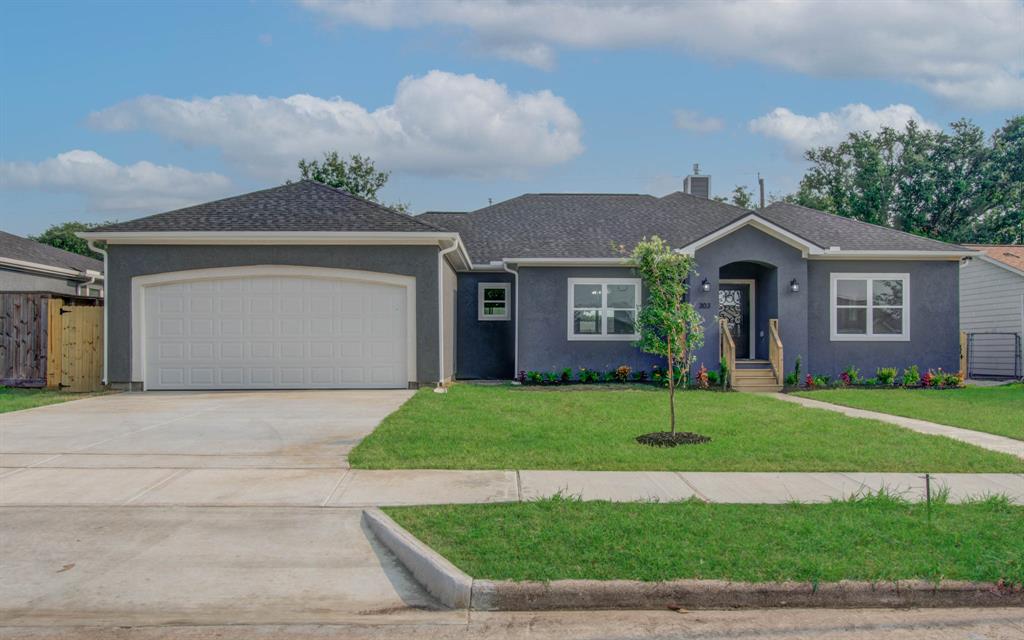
{"x":775,"y":350}
{"x":727,"y":347}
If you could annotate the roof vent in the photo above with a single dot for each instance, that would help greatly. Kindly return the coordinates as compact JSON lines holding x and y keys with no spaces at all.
{"x":696,"y":184}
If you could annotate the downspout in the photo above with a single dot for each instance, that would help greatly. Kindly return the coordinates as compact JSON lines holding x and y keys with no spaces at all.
{"x":106,"y":308}
{"x":440,"y":316}
{"x":515,"y":330}
{"x":78,"y":287}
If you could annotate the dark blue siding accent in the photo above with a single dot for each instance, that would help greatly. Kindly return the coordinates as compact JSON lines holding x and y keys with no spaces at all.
{"x":485,"y":348}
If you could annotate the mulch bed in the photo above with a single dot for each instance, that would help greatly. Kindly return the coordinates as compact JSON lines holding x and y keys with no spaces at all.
{"x":669,"y":439}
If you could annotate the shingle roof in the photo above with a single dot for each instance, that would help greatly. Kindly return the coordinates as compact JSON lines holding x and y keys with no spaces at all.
{"x":1010,"y":254}
{"x":589,"y":225}
{"x":297,"y":206}
{"x":828,"y":230}
{"x":26,"y":250}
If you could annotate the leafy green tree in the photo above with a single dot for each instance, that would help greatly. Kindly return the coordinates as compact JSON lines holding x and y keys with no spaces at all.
{"x":741,"y":197}
{"x":669,"y":326}
{"x":63,"y":237}
{"x":950,"y":185}
{"x":358,"y":175}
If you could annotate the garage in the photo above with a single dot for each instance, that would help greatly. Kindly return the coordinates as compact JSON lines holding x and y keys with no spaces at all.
{"x":274,"y":327}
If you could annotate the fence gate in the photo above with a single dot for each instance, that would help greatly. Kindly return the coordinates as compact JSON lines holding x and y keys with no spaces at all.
{"x":994,"y":355}
{"x":75,"y":344}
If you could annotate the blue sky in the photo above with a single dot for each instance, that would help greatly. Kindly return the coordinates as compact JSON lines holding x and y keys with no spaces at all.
{"x":111,"y":111}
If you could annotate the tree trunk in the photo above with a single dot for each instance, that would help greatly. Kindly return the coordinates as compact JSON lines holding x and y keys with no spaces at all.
{"x":671,"y":388}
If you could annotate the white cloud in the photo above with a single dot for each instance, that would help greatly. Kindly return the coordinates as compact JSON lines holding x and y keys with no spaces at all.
{"x":440,"y":123}
{"x":689,"y":120}
{"x":109,"y":187}
{"x":800,"y":132}
{"x":964,"y":50}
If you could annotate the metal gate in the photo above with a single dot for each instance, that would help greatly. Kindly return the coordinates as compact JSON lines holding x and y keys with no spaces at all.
{"x":994,"y":355}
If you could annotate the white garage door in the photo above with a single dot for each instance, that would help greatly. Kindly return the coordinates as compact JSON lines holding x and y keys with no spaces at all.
{"x":273,"y":332}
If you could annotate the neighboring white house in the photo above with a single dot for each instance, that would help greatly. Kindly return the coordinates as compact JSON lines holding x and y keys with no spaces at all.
{"x":992,"y":308}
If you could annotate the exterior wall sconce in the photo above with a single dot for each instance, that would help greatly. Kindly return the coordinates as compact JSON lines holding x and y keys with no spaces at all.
{"x":794,"y":286}
{"x":704,"y":286}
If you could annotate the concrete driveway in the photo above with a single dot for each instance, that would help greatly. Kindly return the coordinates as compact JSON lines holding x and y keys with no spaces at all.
{"x":151,"y":508}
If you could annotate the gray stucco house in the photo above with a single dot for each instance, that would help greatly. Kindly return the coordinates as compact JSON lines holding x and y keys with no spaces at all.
{"x":306,"y":286}
{"x":27,"y":266}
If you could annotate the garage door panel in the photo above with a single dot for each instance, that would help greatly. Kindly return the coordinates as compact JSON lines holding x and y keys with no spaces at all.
{"x":275,"y":332}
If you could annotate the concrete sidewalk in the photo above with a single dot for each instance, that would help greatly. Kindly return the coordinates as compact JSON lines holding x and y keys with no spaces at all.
{"x":357,"y":488}
{"x":989,"y":441}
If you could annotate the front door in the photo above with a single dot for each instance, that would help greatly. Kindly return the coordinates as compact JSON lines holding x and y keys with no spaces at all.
{"x":734,"y":308}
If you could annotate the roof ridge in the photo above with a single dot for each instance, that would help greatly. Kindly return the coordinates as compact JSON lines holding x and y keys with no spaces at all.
{"x":377,"y":205}
{"x":869,"y":224}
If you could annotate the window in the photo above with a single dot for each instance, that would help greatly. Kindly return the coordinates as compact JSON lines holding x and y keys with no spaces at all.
{"x":603,"y":308}
{"x":492,"y":301}
{"x":870,"y":306}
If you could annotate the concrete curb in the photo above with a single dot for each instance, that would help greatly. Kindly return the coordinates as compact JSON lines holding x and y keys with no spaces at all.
{"x":456,"y":589}
{"x":718,"y":594}
{"x":439,"y":577}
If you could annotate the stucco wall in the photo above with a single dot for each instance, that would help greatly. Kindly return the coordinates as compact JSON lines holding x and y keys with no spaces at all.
{"x":11,"y":281}
{"x":485,"y":347}
{"x":128,"y":261}
{"x":934,"y":319}
{"x":451,"y":286}
{"x":779,"y":263}
{"x":543,"y":335}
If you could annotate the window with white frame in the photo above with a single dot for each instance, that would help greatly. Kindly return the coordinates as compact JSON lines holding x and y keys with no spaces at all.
{"x":492,"y":301}
{"x":603,"y":308}
{"x":870,"y":306}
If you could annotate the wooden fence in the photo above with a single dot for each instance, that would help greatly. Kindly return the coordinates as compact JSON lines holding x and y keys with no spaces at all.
{"x":49,"y":341}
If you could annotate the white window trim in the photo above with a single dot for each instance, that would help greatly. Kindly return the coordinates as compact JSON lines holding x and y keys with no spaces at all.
{"x":570,"y":308}
{"x":869,"y":336}
{"x":480,"y":287}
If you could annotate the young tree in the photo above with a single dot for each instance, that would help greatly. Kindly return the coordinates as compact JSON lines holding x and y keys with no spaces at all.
{"x":63,"y":237}
{"x":741,"y":197}
{"x":358,"y":175}
{"x":669,"y":326}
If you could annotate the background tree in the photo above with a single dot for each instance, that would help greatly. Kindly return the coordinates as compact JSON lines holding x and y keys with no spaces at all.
{"x":741,"y":197}
{"x":63,"y":237}
{"x":954,"y":186}
{"x":358,"y":175}
{"x":669,"y":326}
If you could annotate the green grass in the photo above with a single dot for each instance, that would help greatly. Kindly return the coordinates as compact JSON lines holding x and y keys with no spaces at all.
{"x":872,"y":538}
{"x":998,"y":410}
{"x":12,"y":399}
{"x":478,"y":427}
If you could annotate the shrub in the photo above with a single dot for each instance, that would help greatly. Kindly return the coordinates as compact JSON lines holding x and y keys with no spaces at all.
{"x":850,"y":375}
{"x":796,"y":368}
{"x":713,"y":378}
{"x":928,"y":379}
{"x":534,"y":377}
{"x":657,"y":374}
{"x":622,"y":373}
{"x":870,"y":382}
{"x":588,"y":376}
{"x":911,"y":376}
{"x":640,"y":375}
{"x":566,"y":375}
{"x":702,"y":377}
{"x":551,"y":378}
{"x":954,"y":380}
{"x":886,"y":375}
{"x":822,"y":381}
{"x":723,"y":371}
{"x":792,"y":379}
{"x":521,"y":377}
{"x":608,"y":376}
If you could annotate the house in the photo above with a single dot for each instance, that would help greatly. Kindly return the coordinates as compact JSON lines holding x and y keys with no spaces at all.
{"x":303,"y":285}
{"x":37,"y":282}
{"x":27,"y":266}
{"x":992,"y":310}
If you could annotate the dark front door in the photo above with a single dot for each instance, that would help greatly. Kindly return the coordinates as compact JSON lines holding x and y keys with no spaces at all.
{"x":734,"y":308}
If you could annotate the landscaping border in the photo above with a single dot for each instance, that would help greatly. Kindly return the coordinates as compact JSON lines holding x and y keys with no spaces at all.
{"x":455,"y":589}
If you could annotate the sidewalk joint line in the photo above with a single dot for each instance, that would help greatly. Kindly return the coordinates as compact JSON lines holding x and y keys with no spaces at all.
{"x":696,"y":491}
{"x":344,"y":474}
{"x":156,"y":485}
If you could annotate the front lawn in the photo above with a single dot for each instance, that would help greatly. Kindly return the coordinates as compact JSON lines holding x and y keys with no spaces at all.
{"x":485,"y":427}
{"x":998,"y":410}
{"x":871,"y":538}
{"x":13,"y":399}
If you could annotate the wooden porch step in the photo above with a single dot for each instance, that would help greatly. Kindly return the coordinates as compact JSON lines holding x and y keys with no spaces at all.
{"x":769,"y":387}
{"x":753,"y":373}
